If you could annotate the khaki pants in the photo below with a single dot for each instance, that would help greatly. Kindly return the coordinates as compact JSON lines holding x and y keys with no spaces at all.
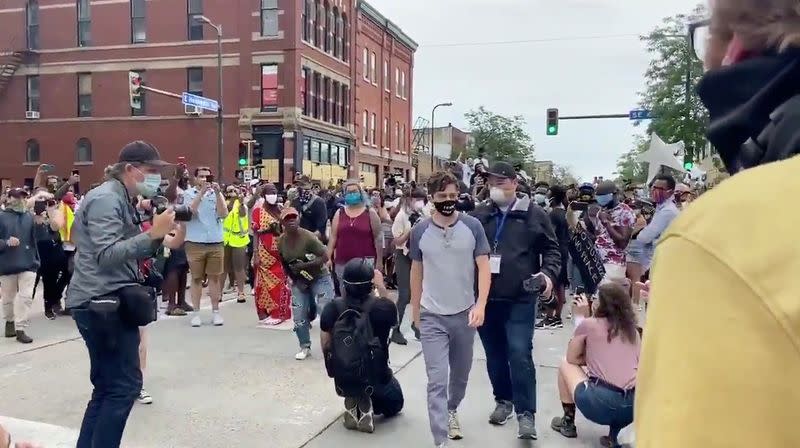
{"x":17,"y":293}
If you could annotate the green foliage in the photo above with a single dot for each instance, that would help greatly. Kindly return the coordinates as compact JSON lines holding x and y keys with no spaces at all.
{"x":503,"y":138}
{"x":563,"y":175}
{"x":628,"y":168}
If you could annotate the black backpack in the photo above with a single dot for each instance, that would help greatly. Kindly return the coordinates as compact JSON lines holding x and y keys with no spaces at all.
{"x":356,"y":354}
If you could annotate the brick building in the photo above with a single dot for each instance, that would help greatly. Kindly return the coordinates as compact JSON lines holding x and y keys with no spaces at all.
{"x":292,"y":79}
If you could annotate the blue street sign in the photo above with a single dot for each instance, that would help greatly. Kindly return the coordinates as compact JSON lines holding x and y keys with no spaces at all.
{"x":199,"y":101}
{"x":639,"y":114}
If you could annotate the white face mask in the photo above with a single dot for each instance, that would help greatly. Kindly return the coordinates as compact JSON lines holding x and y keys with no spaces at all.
{"x":498,"y":196}
{"x":418,"y":205}
{"x":271,"y":199}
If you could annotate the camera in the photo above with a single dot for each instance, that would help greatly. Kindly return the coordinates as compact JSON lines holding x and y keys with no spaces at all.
{"x":182,"y":212}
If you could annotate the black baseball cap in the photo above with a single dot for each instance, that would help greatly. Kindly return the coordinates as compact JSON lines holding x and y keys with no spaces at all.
{"x":503,"y":169}
{"x":141,"y":152}
{"x":18,"y":193}
{"x":606,"y":187}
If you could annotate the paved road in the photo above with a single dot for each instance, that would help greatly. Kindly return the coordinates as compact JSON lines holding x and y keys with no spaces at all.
{"x":239,"y":385}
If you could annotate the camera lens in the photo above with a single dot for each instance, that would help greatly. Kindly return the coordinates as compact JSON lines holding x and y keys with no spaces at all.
{"x":183,"y":213}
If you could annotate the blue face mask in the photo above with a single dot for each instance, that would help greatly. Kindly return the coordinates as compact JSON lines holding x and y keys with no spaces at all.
{"x":605,"y":199}
{"x":353,"y":198}
{"x":150,"y":185}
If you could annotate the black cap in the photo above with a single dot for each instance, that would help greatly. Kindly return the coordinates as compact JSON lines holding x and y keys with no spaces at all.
{"x":18,"y":193}
{"x":503,"y":169}
{"x":358,"y":271}
{"x":606,"y":187}
{"x":141,"y":152}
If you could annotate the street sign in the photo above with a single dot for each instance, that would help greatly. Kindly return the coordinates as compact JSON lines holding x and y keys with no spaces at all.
{"x":199,"y":101}
{"x":248,"y":175}
{"x":639,"y":114}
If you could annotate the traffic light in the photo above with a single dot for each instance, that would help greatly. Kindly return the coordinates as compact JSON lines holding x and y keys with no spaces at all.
{"x":688,"y":163}
{"x":244,"y":157}
{"x":135,"y":90}
{"x":257,"y":154}
{"x":552,"y":121}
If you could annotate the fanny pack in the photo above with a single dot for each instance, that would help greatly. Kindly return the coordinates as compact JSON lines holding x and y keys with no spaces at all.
{"x":133,"y":305}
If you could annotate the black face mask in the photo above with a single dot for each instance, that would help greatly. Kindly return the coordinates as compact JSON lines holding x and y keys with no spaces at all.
{"x":358,"y":290}
{"x":446,"y":208}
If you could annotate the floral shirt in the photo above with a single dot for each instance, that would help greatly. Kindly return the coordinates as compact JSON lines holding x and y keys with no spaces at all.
{"x":621,"y":216}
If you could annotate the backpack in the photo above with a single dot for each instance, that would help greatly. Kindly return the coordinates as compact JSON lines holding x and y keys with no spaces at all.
{"x":356,"y":354}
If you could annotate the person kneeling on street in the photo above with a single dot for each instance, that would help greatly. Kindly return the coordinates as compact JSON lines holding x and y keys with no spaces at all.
{"x":608,"y":345}
{"x":355,"y":342}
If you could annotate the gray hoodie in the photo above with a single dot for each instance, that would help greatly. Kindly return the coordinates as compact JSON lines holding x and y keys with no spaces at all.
{"x":22,"y":258}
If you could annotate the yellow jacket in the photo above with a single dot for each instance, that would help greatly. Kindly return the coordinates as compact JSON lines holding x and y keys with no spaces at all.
{"x":236,"y":227}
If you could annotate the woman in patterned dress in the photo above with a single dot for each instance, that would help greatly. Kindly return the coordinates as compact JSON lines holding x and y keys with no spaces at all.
{"x":272,"y":295}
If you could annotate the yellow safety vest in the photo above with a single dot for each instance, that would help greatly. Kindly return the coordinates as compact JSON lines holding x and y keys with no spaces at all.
{"x":69,"y":218}
{"x":236,"y":228}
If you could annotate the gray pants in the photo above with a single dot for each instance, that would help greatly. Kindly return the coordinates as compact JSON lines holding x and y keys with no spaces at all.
{"x":402,"y":267}
{"x":447,"y":343}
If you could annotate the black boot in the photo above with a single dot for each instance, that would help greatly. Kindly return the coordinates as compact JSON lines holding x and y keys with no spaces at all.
{"x":397,"y":337}
{"x":11,"y":330}
{"x":23,"y":338}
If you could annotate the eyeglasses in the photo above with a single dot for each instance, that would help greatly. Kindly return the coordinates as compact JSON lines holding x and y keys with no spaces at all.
{"x":698,"y":37}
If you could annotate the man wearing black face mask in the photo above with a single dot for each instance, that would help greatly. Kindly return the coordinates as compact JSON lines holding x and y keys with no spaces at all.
{"x":312,"y":208}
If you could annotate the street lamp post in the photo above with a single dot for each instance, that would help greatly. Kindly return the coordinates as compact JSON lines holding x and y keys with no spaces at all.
{"x":433,"y":127}
{"x":220,"y":152}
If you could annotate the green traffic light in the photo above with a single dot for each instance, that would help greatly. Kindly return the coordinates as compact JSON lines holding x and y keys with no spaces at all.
{"x":552,"y":130}
{"x":242,"y":162}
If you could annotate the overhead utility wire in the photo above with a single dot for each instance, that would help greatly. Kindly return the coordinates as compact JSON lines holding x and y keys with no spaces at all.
{"x":529,"y":41}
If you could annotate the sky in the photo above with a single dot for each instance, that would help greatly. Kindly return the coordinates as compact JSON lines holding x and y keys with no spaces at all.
{"x":579,"y":77}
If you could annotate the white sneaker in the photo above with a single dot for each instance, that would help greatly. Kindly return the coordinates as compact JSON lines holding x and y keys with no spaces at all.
{"x":303,"y":354}
{"x":217,"y":320}
{"x":144,"y":397}
{"x":453,"y":426}
{"x":197,"y":321}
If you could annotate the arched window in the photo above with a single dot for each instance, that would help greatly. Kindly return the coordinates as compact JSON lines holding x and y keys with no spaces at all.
{"x":345,"y":39}
{"x":329,"y":31}
{"x":32,"y":154}
{"x":337,"y":34}
{"x":325,"y":27}
{"x":311,"y":24}
{"x":83,"y":150}
{"x":304,"y":20}
{"x":321,"y":22}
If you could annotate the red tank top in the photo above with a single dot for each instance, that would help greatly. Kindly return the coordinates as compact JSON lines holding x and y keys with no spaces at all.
{"x":354,"y":238}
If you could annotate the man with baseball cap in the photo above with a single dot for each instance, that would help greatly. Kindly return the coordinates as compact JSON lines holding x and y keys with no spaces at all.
{"x":110,"y":245}
{"x":524,"y":260}
{"x":312,"y":208}
{"x":614,"y":232}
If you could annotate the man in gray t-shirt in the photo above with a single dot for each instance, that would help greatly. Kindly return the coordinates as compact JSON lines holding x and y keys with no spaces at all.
{"x":445,"y":251}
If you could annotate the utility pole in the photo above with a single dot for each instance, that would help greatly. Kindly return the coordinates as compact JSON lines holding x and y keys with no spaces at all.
{"x":220,"y":143}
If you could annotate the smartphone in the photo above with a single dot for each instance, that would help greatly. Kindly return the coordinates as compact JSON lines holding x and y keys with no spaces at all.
{"x":210,"y":178}
{"x":182,"y":162}
{"x":579,"y":206}
{"x":76,"y":172}
{"x":580,"y":290}
{"x":48,"y":168}
{"x":39,"y":207}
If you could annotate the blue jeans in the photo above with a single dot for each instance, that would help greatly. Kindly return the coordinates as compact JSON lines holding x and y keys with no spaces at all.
{"x":387,"y":399}
{"x":605,"y":406}
{"x":116,"y":376}
{"x":320,"y":293}
{"x":507,"y":337}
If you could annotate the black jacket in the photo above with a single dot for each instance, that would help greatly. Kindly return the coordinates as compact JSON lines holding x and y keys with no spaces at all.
{"x":313,"y":215}
{"x":527,"y":246}
{"x":22,"y":258}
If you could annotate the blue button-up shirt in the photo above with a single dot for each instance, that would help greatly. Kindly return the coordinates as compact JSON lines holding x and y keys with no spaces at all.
{"x":645,"y":242}
{"x":206,"y":225}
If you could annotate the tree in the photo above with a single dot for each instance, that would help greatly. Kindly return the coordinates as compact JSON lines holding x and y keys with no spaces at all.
{"x":629,"y":169}
{"x":503,"y":138}
{"x":669,"y":93}
{"x":563,"y":175}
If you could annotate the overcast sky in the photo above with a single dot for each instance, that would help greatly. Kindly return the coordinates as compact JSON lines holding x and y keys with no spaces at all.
{"x":598,"y":76}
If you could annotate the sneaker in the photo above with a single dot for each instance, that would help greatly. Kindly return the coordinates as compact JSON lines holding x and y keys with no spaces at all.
{"x":217,"y":320}
{"x":303,"y":354}
{"x":144,"y":397}
{"x":502,"y":413}
{"x":11,"y":330}
{"x":397,"y":337}
{"x":565,"y":427}
{"x":186,"y":307}
{"x":453,"y":426}
{"x":541,"y":324}
{"x":23,"y":338}
{"x":351,"y":413}
{"x":366,"y":422}
{"x":556,"y":322}
{"x":197,"y":321}
{"x":241,"y":298}
{"x":527,"y":426}
{"x":50,"y":314}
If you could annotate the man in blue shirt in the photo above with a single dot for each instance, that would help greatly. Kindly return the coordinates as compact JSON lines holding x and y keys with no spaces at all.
{"x":204,"y":242}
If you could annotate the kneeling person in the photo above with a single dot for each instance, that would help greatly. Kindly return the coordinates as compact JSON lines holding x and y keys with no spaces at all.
{"x":360,"y":368}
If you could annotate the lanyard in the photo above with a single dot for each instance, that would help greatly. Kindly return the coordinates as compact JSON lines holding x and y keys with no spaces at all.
{"x":499,"y":232}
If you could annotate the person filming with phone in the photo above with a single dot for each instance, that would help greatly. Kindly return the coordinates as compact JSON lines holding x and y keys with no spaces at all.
{"x":107,"y":295}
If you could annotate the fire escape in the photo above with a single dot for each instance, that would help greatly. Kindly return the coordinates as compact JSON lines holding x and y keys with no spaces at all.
{"x":9,"y":63}
{"x":418,"y":140}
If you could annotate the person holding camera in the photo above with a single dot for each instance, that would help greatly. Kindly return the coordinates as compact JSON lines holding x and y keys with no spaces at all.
{"x":204,"y":246}
{"x":50,"y":221}
{"x":108,"y":295}
{"x":524,"y":262}
{"x":19,"y":262}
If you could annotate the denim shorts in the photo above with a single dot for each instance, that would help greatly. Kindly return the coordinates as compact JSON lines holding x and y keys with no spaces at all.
{"x":603,"y":405}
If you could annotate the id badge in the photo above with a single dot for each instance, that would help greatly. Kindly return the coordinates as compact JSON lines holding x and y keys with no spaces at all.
{"x":494,"y":263}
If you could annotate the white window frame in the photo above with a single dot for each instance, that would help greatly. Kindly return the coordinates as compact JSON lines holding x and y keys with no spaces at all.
{"x":365,"y":63}
{"x":397,"y":82}
{"x":366,"y":127}
{"x":403,"y":85}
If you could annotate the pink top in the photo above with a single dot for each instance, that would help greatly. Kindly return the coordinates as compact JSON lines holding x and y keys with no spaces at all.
{"x":616,"y":362}
{"x":354,"y":238}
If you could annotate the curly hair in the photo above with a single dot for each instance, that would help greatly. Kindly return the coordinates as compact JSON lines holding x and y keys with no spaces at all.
{"x":615,"y":306}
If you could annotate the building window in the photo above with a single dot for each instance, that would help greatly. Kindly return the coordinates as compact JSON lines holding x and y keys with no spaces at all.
{"x":330,"y":43}
{"x":269,"y":88}
{"x":326,"y":110}
{"x":331,"y":102}
{"x":345,"y":39}
{"x":365,"y":128}
{"x":336,"y":104}
{"x":385,"y":134}
{"x":83,"y":150}
{"x":269,"y":18}
{"x":194,"y":80}
{"x":84,"y":94}
{"x":372,"y":75}
{"x":320,"y":96}
{"x":397,"y":82}
{"x":311,"y":24}
{"x":403,"y":85}
{"x":326,"y":28}
{"x":33,"y":93}
{"x":365,"y":63}
{"x":403,"y":140}
{"x":337,"y":34}
{"x":320,"y":29}
{"x":32,"y":24}
{"x":84,"y":24}
{"x":397,"y":135}
{"x":325,"y":153}
{"x":305,"y":89}
{"x":138,"y":24}
{"x":32,"y":154}
{"x":304,"y":20}
{"x":314,"y":151}
{"x":372,"y":130}
{"x":386,"y":76}
{"x":346,"y":108}
{"x":194,"y":10}
{"x":143,"y":99}
{"x":313,"y":95}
